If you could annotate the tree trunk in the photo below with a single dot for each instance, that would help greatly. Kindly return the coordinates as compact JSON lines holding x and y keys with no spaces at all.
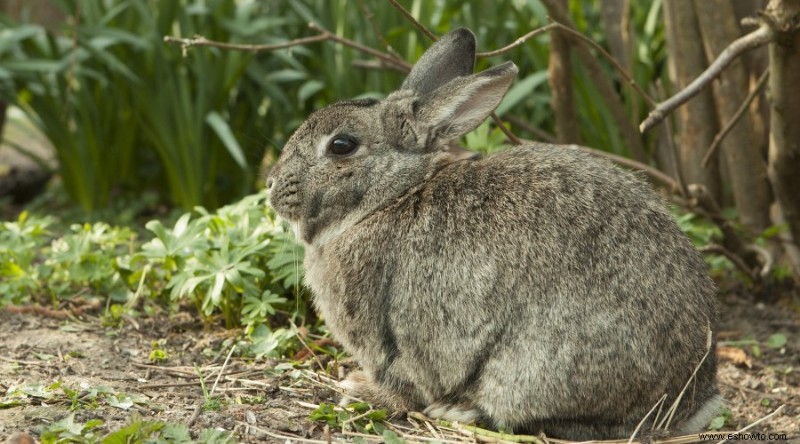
{"x":603,"y":83}
{"x":559,"y":75}
{"x":784,"y":90}
{"x":697,"y":118}
{"x":746,"y":168}
{"x":41,"y":12}
{"x":618,"y":32}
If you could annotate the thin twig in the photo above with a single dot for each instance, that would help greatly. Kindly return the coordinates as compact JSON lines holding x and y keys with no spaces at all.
{"x":509,"y":135}
{"x":641,"y":423}
{"x":605,"y":87}
{"x":655,"y":174}
{"x":673,"y":149}
{"x":712,"y":149}
{"x":759,"y":37}
{"x":284,"y":438}
{"x":370,"y":16}
{"x":518,"y":41}
{"x":738,"y":432}
{"x":222,"y":370}
{"x":674,"y":408}
{"x":413,"y":20}
{"x":525,"y":126}
{"x":620,"y":69}
{"x":323,"y":35}
{"x":202,"y":41}
{"x":395,"y":62}
{"x":734,"y":258}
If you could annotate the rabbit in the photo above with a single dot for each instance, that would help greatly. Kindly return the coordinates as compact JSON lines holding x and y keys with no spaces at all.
{"x":538,"y":289}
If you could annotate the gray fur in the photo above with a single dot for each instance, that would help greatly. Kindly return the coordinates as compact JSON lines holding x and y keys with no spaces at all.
{"x":537,"y":289}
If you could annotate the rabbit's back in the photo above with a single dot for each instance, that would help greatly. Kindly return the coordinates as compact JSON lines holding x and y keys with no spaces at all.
{"x":537,"y":284}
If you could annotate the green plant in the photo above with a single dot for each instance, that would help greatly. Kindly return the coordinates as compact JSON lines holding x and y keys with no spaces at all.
{"x":34,"y":262}
{"x":157,"y":352}
{"x":358,"y":415}
{"x":721,"y":420}
{"x":222,"y":261}
{"x":66,"y":430}
{"x":117,"y":103}
{"x":59,"y":393}
{"x":20,"y":242}
{"x":64,"y":87}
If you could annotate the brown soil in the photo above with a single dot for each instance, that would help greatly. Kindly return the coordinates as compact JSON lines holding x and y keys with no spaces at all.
{"x":44,"y":346}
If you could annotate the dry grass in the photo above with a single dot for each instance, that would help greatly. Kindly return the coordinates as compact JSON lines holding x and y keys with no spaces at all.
{"x":417,"y":428}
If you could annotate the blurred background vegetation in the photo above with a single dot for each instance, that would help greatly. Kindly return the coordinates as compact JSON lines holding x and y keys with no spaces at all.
{"x":126,"y":113}
{"x":139,"y":129}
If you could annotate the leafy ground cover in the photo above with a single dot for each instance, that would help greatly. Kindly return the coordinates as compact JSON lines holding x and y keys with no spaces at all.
{"x":65,"y":376}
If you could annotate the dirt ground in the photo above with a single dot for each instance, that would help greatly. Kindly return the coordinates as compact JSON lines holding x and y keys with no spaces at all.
{"x":260,"y":403}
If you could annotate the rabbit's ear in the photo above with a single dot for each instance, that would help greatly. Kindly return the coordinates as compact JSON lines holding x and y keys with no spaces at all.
{"x":462,"y":104}
{"x":451,"y":56}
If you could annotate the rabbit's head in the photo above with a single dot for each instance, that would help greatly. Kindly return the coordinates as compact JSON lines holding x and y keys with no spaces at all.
{"x":356,"y":156}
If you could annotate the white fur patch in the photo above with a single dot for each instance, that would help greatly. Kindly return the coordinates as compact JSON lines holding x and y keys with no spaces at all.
{"x":450,"y":412}
{"x":704,"y":415}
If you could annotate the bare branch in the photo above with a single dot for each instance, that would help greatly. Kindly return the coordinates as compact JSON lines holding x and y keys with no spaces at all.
{"x":655,"y":174}
{"x":518,"y":41}
{"x":602,"y":82}
{"x":370,"y":16}
{"x":759,"y":37}
{"x":738,"y":261}
{"x":413,"y":20}
{"x":323,"y":35}
{"x":202,"y":41}
{"x":525,"y":126}
{"x":622,"y":71}
{"x":509,"y":135}
{"x":712,"y":149}
{"x":672,"y":148}
{"x":396,"y":62}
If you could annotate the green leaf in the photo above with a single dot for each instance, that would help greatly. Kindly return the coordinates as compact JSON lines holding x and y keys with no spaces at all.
{"x":521,"y":90}
{"x":777,"y":340}
{"x":223,"y":131}
{"x":286,"y":75}
{"x":176,"y":433}
{"x":377,"y":415}
{"x":390,"y":437}
{"x":214,"y":436}
{"x":308,"y":89}
{"x":717,"y":423}
{"x":123,"y":402}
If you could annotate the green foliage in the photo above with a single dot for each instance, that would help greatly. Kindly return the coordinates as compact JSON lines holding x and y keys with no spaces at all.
{"x":67,"y":430}
{"x":83,"y":261}
{"x":123,"y":110}
{"x":775,"y":341}
{"x":76,"y":398}
{"x":235,"y":260}
{"x":239,"y":261}
{"x":272,"y":343}
{"x":19,"y":243}
{"x":702,"y":232}
{"x":719,"y":422}
{"x":358,"y":415}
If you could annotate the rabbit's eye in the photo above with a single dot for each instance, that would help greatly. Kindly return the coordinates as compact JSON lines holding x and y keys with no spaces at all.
{"x":342,"y":145}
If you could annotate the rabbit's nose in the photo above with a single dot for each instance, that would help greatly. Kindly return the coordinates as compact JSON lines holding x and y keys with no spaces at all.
{"x":270,"y":181}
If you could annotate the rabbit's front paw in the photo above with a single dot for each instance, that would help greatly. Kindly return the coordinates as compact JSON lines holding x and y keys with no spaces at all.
{"x":463,"y":413}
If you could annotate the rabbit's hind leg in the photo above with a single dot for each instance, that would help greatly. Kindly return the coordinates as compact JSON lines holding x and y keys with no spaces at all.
{"x":360,"y":386}
{"x":464,"y":413}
